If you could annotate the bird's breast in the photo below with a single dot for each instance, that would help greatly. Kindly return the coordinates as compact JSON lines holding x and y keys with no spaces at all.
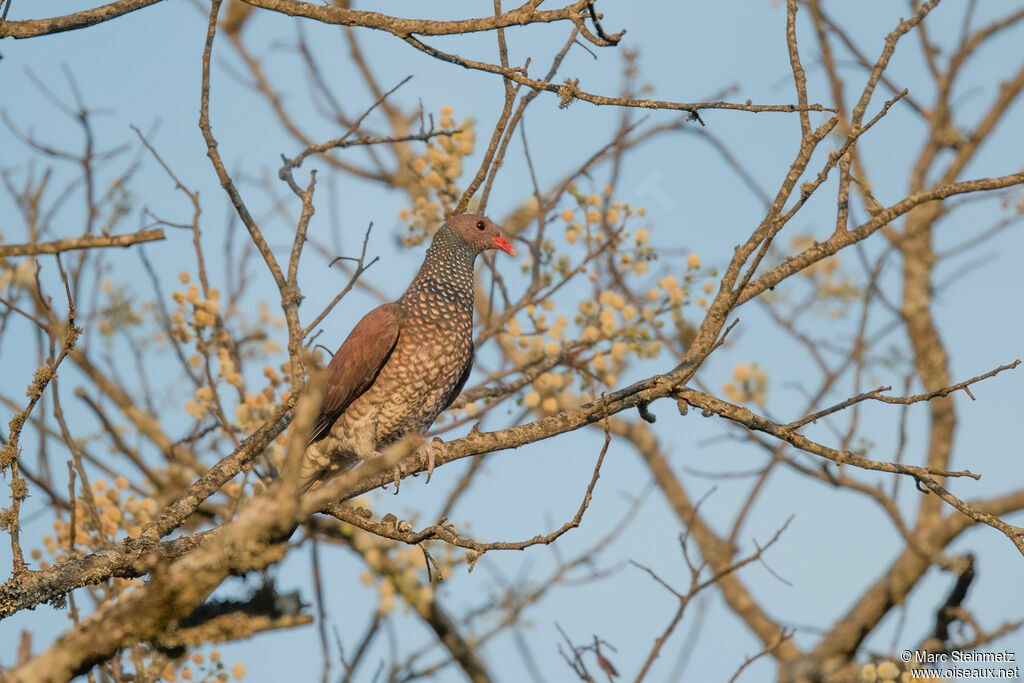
{"x":434,"y":346}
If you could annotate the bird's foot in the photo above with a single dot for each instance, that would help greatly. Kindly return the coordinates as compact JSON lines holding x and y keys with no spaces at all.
{"x":427,"y":454}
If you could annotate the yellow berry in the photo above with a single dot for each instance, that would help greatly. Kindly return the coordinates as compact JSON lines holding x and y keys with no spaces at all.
{"x":888,"y":671}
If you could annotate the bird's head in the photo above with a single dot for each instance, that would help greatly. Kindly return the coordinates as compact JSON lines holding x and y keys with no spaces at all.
{"x":479,"y":232}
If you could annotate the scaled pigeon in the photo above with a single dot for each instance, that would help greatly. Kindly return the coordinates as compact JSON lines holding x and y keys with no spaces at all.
{"x":404,"y":362}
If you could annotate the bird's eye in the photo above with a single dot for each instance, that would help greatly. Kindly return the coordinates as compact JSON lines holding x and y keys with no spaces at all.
{"x":480,"y":225}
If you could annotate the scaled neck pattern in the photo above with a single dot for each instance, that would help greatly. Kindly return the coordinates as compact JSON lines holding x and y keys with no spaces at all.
{"x":447,"y":270}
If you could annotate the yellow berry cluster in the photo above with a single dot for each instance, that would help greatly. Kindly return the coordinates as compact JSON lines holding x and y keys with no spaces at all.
{"x":22,"y":274}
{"x":890,"y":672}
{"x":534,"y":346}
{"x":750,"y":385}
{"x":203,"y":669}
{"x":436,"y":171}
{"x":397,"y":570}
{"x":615,"y":324}
{"x":116,"y":513}
{"x":609,"y":326}
{"x":194,"y":313}
{"x":831,"y":282}
{"x":552,"y":391}
{"x":616,"y":328}
{"x":111,"y":513}
{"x":256,"y":407}
{"x":227,"y":371}
{"x":118,"y":311}
{"x":594,"y":226}
{"x":195,"y":320}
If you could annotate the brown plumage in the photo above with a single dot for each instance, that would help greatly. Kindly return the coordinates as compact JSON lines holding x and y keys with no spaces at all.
{"x":405,"y":361}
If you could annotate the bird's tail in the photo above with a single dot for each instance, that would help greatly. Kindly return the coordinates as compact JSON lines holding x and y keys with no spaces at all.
{"x":310,"y":475}
{"x":318,"y":466}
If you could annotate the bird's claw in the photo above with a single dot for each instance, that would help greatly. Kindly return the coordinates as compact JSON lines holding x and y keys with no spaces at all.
{"x":431,"y":456}
{"x":398,"y":478}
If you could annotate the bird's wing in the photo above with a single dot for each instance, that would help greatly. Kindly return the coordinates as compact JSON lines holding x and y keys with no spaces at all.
{"x":356,"y":365}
